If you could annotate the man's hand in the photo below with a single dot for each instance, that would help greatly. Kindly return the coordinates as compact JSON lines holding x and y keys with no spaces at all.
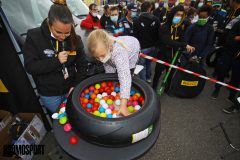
{"x":95,"y":27}
{"x":237,"y":38}
{"x":62,"y":56}
{"x":190,"y":49}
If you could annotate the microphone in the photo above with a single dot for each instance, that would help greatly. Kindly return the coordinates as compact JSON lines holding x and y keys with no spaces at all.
{"x":64,"y":70}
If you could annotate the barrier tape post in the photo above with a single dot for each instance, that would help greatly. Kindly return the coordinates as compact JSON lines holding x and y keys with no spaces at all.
{"x":189,"y":72}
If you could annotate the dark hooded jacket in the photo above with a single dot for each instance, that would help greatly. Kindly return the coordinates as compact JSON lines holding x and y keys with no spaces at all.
{"x":145,"y":29}
{"x":170,"y":36}
{"x":40,"y":60}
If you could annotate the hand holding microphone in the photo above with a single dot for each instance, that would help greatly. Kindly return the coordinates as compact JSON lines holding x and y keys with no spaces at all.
{"x":62,"y":56}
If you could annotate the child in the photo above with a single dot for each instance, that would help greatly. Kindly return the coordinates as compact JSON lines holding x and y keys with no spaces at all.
{"x":118,"y":55}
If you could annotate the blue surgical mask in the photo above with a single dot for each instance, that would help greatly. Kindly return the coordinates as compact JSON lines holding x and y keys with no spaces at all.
{"x":176,"y":19}
{"x":114,"y":18}
{"x":133,"y":14}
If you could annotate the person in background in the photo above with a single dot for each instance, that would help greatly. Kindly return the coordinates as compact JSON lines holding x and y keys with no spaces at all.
{"x":91,"y":21}
{"x":234,"y":11}
{"x":105,"y":19}
{"x":201,"y":34}
{"x":199,"y":3}
{"x":181,"y":2}
{"x":152,"y":7}
{"x":193,"y":3}
{"x":189,"y":20}
{"x":114,"y":27}
{"x":170,"y":40}
{"x":118,"y":55}
{"x":187,"y":5}
{"x":127,"y":21}
{"x":209,"y":2}
{"x":54,"y":56}
{"x":170,"y":6}
{"x":145,"y":29}
{"x":160,"y":12}
{"x":121,"y":8}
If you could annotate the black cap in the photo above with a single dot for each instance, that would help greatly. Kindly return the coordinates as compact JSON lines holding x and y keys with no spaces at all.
{"x":132,"y":7}
{"x":106,"y":6}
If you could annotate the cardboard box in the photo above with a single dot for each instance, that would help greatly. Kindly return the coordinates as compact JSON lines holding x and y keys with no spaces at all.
{"x":33,"y":134}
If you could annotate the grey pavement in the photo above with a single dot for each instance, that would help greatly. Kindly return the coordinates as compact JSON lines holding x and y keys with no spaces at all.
{"x":185,"y":130}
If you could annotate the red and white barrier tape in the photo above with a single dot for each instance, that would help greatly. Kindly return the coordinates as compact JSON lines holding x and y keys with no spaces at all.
{"x":187,"y":71}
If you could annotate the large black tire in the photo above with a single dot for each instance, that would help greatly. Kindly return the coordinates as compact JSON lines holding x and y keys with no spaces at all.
{"x":112,"y":132}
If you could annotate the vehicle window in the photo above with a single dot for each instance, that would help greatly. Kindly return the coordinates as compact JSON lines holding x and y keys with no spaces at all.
{"x":77,"y":7}
{"x":25,"y":14}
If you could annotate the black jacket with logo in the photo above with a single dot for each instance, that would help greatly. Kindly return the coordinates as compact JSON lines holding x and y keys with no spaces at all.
{"x":40,"y":60}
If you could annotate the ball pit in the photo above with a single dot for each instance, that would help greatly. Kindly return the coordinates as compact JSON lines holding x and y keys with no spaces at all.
{"x":108,"y":100}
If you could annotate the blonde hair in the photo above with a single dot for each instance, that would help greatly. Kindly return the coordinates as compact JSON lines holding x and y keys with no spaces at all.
{"x":102,"y":36}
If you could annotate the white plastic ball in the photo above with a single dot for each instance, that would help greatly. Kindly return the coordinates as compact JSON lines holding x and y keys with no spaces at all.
{"x":99,"y":96}
{"x":114,"y":115}
{"x":108,"y":111}
{"x":102,"y":101}
{"x":104,"y":94}
{"x":55,"y":116}
{"x":63,"y":109}
{"x":105,"y":106}
{"x":118,"y":102}
{"x":137,"y":107}
{"x":113,"y":93}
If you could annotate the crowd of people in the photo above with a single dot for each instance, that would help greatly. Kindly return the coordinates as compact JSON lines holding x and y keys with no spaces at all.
{"x":55,"y":57}
{"x":162,"y":28}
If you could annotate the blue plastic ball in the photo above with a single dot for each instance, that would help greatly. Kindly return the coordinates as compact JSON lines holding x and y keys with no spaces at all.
{"x":87,"y":96}
{"x":89,"y":105}
{"x":61,"y":115}
{"x":132,"y":92}
{"x":90,"y":93}
{"x":109,"y":116}
{"x":101,"y":110}
{"x":117,"y":89}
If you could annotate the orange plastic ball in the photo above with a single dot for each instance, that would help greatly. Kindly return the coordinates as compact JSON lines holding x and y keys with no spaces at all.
{"x":93,"y":96}
{"x":85,"y":100}
{"x":105,"y":98}
{"x":96,"y":91}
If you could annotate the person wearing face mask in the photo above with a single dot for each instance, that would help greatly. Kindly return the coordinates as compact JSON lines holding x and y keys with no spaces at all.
{"x":54,"y":56}
{"x":127,"y":21}
{"x":115,"y":27}
{"x":105,"y":19}
{"x":201,"y":34}
{"x":160,"y":12}
{"x":118,"y":55}
{"x":170,"y":40}
{"x":188,"y":21}
{"x":91,"y":21}
{"x":145,"y":29}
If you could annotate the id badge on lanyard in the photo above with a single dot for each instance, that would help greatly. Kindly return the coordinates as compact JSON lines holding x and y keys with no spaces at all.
{"x":64,"y":68}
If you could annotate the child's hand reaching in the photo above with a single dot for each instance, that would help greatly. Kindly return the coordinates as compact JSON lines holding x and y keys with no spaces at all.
{"x":123,"y":108}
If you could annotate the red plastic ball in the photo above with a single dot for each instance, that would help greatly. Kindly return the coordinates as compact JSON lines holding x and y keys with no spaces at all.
{"x":96,"y":104}
{"x":106,"y":88}
{"x":112,"y":98}
{"x":103,"y":84}
{"x":73,"y":140}
{"x":84,"y":105}
{"x":88,"y":110}
{"x":86,"y":91}
{"x":141,"y":98}
{"x":101,"y":90}
{"x":109,"y":84}
{"x":117,"y":85}
{"x":112,"y":88}
{"x":91,"y":101}
{"x":135,"y":98}
{"x":94,"y":108}
{"x":62,"y":105}
{"x":109,"y":91}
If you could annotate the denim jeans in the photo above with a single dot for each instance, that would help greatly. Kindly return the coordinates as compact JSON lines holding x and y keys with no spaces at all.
{"x":146,"y":73}
{"x":52,"y":102}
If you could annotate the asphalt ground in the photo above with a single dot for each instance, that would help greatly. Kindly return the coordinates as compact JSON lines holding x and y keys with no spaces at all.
{"x":185,"y":130}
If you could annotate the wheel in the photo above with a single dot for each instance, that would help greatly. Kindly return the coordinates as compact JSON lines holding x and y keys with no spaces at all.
{"x":113,"y":132}
{"x":212,"y":57}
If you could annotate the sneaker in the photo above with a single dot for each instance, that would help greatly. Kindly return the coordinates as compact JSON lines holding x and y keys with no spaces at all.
{"x":230,"y":110}
{"x":230,"y":99}
{"x":215,"y":94}
{"x":149,"y":80}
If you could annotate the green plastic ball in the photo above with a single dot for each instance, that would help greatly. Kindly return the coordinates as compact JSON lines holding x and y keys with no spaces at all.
{"x":96,"y":113}
{"x":97,"y":100}
{"x":63,"y":120}
{"x":109,"y":101}
{"x":130,"y":109}
{"x":103,"y":115}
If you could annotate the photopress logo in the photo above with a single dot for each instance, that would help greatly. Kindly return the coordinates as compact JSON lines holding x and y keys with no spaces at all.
{"x":22,"y":149}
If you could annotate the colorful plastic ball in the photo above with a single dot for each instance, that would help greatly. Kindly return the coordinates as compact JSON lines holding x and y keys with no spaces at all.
{"x":91,"y":101}
{"x":113,"y":93}
{"x":85,"y":100}
{"x":62,"y":105}
{"x":96,"y":104}
{"x":106,"y":88}
{"x":97,"y":100}
{"x":61,"y":115}
{"x":135,"y":103}
{"x":93,"y":96}
{"x":104,"y":94}
{"x":90,"y":93}
{"x":101,"y":90}
{"x":109,"y":116}
{"x":84,"y":105}
{"x":86,"y":91}
{"x":114,"y":112}
{"x":129,"y":103}
{"x":102,"y":101}
{"x":135,"y":97}
{"x":117,"y":89}
{"x":89,"y":105}
{"x":114,"y":115}
{"x":132,"y":92}
{"x":94,"y":108}
{"x":96,"y":113}
{"x":63,"y":120}
{"x":55,"y":116}
{"x":67,"y":127}
{"x":87,"y":96}
{"x":137,"y":94}
{"x":108,"y":111}
{"x":111,"y":107}
{"x":118,"y":102}
{"x":96,"y":91}
{"x":104,"y":84}
{"x":137,"y":107}
{"x":97,"y":86}
{"x":89,"y":110}
{"x":141,"y":98}
{"x":73,"y":140}
{"x":91,"y":88}
{"x":82,"y":94}
{"x":103,"y":115}
{"x":112,"y":97}
{"x":109,"y":91}
{"x":130,"y":109}
{"x":105,"y":98}
{"x":110,"y":84}
{"x":99,"y":96}
{"x":101,"y":110}
{"x":105,"y":106}
{"x":63,"y":109}
{"x":109,"y":101}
